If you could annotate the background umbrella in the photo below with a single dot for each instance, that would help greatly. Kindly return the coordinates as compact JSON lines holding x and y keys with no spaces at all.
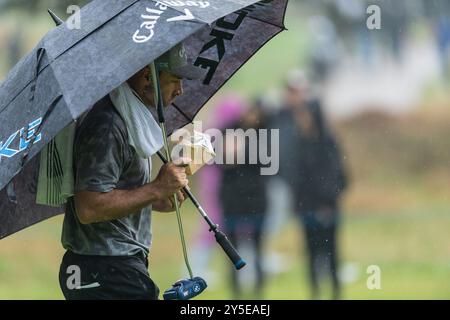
{"x":70,"y":70}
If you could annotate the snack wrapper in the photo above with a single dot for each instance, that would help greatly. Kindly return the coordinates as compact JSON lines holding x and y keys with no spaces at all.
{"x":199,"y":149}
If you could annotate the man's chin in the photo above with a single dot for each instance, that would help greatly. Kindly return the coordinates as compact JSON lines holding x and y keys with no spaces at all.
{"x":168,"y":103}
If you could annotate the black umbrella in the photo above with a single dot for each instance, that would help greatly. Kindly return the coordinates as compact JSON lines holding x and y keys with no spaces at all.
{"x":70,"y":70}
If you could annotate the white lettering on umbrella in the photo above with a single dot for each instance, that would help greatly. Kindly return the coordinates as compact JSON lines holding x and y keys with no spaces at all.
{"x":150,"y":21}
{"x":201,"y":4}
{"x":146,"y":30}
{"x":188,"y":16}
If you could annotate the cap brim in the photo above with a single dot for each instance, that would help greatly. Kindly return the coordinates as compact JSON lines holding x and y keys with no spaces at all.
{"x":189,"y":72}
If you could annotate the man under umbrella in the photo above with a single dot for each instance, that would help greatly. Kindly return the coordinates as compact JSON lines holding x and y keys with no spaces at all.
{"x":107,"y":225}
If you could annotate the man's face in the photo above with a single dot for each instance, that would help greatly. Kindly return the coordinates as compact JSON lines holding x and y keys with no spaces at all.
{"x":171,"y":86}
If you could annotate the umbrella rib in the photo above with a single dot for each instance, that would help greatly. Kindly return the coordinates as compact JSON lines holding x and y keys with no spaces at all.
{"x":183,"y":113}
{"x":32,"y":83}
{"x":267,"y":22}
{"x":283,"y":27}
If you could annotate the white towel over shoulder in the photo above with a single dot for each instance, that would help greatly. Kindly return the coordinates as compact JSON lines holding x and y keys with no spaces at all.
{"x":144,"y":132}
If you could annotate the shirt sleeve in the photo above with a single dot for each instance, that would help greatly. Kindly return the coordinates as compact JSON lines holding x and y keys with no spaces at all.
{"x":99,"y":157}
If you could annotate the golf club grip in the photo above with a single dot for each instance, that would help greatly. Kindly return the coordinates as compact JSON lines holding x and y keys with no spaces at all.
{"x":231,"y":252}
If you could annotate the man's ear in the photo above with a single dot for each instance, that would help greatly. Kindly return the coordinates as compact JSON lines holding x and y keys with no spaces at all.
{"x":147,"y":74}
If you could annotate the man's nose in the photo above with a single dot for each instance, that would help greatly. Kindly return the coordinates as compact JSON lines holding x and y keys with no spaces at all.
{"x":180,"y":88}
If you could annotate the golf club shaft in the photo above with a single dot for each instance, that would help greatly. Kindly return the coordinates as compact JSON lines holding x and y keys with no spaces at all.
{"x":160,"y":109}
{"x":192,"y":198}
{"x":221,"y":238}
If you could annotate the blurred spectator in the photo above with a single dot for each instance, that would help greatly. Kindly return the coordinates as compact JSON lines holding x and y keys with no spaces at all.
{"x":443,"y":39}
{"x":395,"y":27}
{"x":243,"y":198}
{"x":325,"y":48}
{"x":349,"y":18}
{"x":311,"y":164}
{"x":438,"y":14}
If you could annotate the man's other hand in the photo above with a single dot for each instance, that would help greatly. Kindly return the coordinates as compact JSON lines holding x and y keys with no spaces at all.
{"x":171,"y":178}
{"x":168,"y":205}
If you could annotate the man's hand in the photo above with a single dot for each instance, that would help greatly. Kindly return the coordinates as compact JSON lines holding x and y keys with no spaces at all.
{"x":171,"y":178}
{"x":168,"y":205}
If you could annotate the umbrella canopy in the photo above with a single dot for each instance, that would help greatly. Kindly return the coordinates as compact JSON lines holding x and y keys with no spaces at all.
{"x":71,"y":69}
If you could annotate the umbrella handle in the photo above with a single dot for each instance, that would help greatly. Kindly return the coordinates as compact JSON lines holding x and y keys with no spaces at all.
{"x":231,"y":252}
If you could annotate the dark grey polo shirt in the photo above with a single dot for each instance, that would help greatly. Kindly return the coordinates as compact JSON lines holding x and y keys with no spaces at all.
{"x":103,"y":161}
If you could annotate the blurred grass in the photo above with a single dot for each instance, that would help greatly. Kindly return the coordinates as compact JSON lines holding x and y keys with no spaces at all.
{"x":411,"y":250}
